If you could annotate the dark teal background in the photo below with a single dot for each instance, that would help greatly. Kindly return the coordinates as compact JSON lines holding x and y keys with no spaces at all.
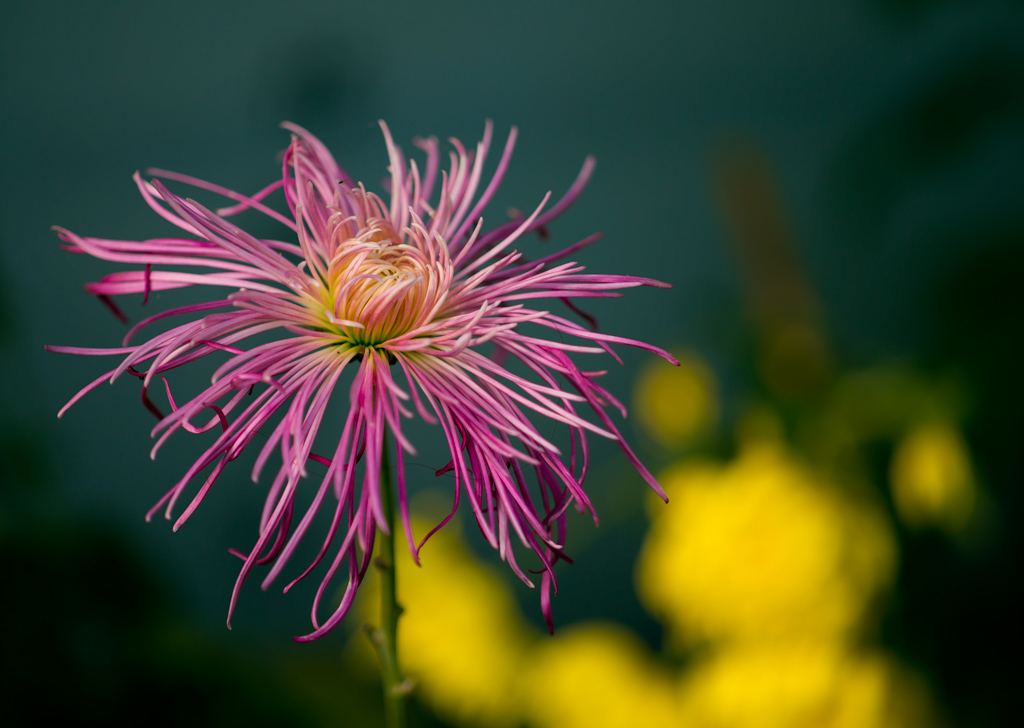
{"x":894,"y":130}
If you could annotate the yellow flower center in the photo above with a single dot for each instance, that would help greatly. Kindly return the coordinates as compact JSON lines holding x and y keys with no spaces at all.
{"x":378,"y":286}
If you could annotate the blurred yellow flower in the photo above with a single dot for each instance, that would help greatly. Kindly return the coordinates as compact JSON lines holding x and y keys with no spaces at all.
{"x":932,"y":478}
{"x":762,"y":547}
{"x":802,"y":684}
{"x":461,"y":637}
{"x":597,"y":675}
{"x":676,"y":405}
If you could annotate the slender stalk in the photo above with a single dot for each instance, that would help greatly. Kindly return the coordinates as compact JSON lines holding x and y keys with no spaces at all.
{"x":385,"y":637}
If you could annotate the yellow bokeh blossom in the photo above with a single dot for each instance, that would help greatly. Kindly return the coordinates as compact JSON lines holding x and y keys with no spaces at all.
{"x":932,"y":478}
{"x":802,"y":684}
{"x":676,"y":404}
{"x":762,"y":547}
{"x":597,"y":675}
{"x":460,"y":637}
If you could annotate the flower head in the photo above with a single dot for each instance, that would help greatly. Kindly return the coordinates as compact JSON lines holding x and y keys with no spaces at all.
{"x":420,"y":305}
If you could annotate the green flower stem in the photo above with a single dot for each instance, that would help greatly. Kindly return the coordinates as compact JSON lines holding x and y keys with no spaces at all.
{"x":385,"y":637}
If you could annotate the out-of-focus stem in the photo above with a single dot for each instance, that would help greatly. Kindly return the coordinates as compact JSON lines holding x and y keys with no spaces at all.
{"x":385,"y":637}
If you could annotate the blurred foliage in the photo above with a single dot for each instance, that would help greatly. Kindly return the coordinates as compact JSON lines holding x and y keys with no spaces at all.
{"x":933,"y":128}
{"x":88,"y":618}
{"x":6,"y":313}
{"x":915,"y":9}
{"x":793,"y":354}
{"x":978,"y":310}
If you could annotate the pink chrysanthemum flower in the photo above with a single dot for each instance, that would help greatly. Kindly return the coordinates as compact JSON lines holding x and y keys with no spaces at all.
{"x":420,"y":305}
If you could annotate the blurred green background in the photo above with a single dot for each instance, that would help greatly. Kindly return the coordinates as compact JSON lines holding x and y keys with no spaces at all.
{"x":834,"y":189}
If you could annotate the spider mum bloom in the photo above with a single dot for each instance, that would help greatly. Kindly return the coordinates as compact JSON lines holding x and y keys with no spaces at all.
{"x":413,"y":298}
